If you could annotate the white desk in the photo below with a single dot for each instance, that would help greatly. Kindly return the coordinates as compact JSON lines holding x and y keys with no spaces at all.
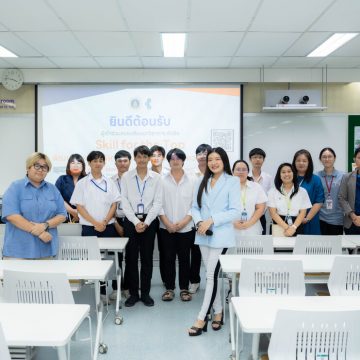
{"x":354,"y":239}
{"x":257,"y":315}
{"x":318,"y":265}
{"x":75,"y":270}
{"x":41,"y":325}
{"x":117,"y":245}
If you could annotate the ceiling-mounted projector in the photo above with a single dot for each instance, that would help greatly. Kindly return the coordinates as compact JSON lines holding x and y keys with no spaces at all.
{"x":285,"y":100}
{"x":304,"y":99}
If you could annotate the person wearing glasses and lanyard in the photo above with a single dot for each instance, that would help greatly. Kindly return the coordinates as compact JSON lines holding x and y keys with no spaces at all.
{"x":141,"y":197}
{"x":95,"y":197}
{"x":122,"y":163}
{"x":331,"y":214}
{"x":303,"y":164}
{"x":257,"y":157}
{"x":253,"y":201}
{"x":288,"y":202}
{"x":32,"y":209}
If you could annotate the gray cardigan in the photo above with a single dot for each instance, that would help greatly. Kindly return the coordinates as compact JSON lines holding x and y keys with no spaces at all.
{"x":347,"y":196}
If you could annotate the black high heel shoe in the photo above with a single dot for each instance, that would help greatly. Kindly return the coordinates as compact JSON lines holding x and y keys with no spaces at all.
{"x":198,"y":331}
{"x":218,"y":323}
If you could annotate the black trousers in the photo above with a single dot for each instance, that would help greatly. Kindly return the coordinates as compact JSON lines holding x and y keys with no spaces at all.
{"x":176,"y":244}
{"x":263,"y":224}
{"x":109,"y":231}
{"x":195,"y":263}
{"x":330,"y":229}
{"x":139,"y":244}
{"x":352,"y":230}
{"x":160,"y":248}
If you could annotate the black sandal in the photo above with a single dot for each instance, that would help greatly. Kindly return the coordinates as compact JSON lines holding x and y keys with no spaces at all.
{"x":185,"y":295}
{"x":217,"y":323}
{"x":168,"y":295}
{"x":198,"y":331}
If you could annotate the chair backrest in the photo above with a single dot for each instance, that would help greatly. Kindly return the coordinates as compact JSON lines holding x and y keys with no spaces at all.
{"x":69,"y":229}
{"x":315,"y":335}
{"x":271,"y":278}
{"x":254,"y":244}
{"x":344,"y":278}
{"x":318,"y":245}
{"x":36,"y":288}
{"x":78,"y":248}
{"x":4,"y":350}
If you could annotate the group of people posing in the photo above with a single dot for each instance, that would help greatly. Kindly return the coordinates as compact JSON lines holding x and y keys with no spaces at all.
{"x":193,"y":215}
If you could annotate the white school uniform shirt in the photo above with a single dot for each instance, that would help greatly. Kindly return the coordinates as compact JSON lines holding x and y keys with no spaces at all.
{"x":265,"y":180}
{"x":253,"y":195}
{"x":119,"y":211}
{"x":96,"y":196}
{"x":299,"y":201}
{"x":177,"y":199}
{"x":131,"y":196}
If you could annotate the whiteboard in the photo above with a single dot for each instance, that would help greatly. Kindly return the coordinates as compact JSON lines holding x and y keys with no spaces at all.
{"x":281,"y":135}
{"x":17,"y":142}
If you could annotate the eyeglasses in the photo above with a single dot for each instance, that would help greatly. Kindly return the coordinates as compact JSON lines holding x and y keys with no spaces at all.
{"x":41,"y":167}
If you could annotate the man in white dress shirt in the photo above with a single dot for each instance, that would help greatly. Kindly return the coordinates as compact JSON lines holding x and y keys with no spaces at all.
{"x":157,"y":156}
{"x":257,"y":157}
{"x":122,"y":163}
{"x":141,"y":197}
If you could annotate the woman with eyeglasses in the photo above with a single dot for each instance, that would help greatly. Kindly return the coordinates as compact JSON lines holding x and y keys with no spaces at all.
{"x":75,"y":170}
{"x":32,"y":209}
{"x":253,"y":201}
{"x":331,"y":213}
{"x":303,"y":164}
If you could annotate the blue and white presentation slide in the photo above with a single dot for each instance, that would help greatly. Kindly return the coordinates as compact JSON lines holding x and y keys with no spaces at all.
{"x":108,"y":118}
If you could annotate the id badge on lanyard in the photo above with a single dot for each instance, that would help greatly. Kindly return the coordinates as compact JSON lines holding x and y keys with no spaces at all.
{"x":329,"y":203}
{"x":244,"y":215}
{"x":140,"y":211}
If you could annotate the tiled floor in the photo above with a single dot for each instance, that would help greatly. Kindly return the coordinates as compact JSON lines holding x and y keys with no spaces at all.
{"x":157,"y":333}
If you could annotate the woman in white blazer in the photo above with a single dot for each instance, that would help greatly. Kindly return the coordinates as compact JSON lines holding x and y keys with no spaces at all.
{"x":215,"y":207}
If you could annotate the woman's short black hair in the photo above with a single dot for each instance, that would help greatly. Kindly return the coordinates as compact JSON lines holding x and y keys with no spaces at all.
{"x":142,"y":149}
{"x":208,"y":173}
{"x":157,"y":148}
{"x":247,"y":166}
{"x":357,"y":150}
{"x":327,"y":149}
{"x":122,"y":154}
{"x":257,"y":151}
{"x":203,"y":147}
{"x":178,"y":152}
{"x":94,"y":155}
{"x":278,"y":182}
{"x":310,"y":168}
{"x":78,"y":158}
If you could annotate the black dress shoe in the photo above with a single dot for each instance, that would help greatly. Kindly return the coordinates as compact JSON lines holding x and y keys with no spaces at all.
{"x":132,"y":300}
{"x":147,"y":300}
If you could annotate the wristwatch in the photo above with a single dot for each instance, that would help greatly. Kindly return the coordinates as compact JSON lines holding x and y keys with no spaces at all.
{"x":47,"y":225}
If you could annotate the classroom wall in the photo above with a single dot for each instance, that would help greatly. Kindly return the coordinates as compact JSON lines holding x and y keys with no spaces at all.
{"x":17,"y":126}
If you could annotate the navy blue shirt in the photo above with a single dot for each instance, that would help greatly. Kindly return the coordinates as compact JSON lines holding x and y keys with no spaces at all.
{"x":65,"y":184}
{"x":36,"y":204}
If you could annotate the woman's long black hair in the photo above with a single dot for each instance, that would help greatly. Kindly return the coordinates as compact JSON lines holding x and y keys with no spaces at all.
{"x":278,"y":181}
{"x":208,"y":173}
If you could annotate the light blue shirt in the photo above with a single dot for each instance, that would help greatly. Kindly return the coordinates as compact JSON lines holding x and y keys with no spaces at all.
{"x":36,"y":205}
{"x":335,"y":216}
{"x":222,"y":204}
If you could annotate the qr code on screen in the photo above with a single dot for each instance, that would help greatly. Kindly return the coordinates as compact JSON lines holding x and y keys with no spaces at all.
{"x":223,"y":138}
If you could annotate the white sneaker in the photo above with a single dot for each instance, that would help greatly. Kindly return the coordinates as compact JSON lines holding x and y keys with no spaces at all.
{"x":193,"y":288}
{"x":113,"y":295}
{"x":104,"y":299}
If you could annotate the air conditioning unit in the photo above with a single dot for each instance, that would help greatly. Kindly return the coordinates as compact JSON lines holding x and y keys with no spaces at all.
{"x":293,"y":100}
